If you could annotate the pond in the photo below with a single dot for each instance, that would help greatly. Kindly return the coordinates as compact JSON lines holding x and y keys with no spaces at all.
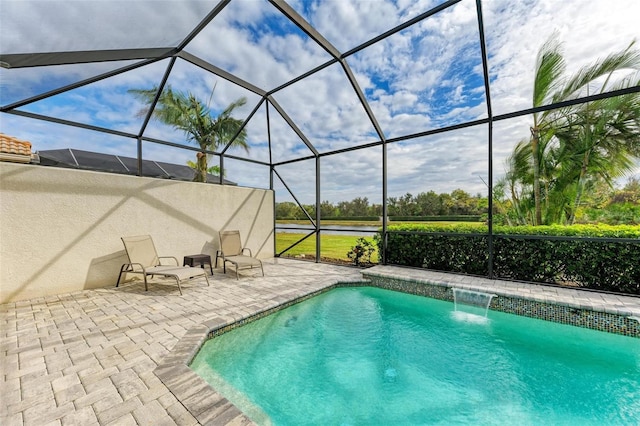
{"x":360,"y":231}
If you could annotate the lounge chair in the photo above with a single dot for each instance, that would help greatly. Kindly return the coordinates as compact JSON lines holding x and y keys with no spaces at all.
{"x":231,"y":251}
{"x":143,"y":259}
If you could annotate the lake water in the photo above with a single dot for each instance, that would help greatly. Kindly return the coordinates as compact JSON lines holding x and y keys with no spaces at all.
{"x":360,"y":231}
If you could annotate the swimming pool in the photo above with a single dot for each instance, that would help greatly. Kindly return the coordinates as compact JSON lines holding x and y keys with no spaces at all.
{"x":363,"y":356}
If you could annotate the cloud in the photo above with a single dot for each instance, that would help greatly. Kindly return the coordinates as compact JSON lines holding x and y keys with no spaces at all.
{"x":257,"y":44}
{"x":347,"y":24}
{"x":59,"y":26}
{"x":424,"y":77}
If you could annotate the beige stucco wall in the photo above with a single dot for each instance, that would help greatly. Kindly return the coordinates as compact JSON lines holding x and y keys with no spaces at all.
{"x":60,"y":229}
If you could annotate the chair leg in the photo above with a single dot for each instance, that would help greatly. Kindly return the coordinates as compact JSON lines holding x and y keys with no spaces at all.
{"x":179,"y":289}
{"x":207,"y":278}
{"x":237,"y":272}
{"x":146,"y":287}
{"x":122,"y":268}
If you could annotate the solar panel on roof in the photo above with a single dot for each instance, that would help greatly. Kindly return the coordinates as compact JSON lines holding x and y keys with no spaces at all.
{"x":76,"y":158}
{"x":98,"y":161}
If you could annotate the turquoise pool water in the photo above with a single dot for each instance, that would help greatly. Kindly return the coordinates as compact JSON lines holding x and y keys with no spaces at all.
{"x":367,"y":356}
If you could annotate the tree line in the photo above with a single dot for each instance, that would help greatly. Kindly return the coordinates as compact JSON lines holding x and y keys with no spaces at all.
{"x":458,"y":202}
{"x":601,"y":205}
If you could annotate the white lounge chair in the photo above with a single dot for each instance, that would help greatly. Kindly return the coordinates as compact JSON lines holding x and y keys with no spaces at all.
{"x":231,"y":251}
{"x":144,"y":259}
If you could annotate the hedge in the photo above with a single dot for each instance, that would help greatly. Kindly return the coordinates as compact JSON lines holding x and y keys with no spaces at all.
{"x":537,"y":254}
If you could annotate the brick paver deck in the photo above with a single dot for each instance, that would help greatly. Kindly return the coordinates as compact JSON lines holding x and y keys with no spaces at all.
{"x":88,"y":358}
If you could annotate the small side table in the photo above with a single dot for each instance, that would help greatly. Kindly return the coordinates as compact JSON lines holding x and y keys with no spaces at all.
{"x":198,"y":259}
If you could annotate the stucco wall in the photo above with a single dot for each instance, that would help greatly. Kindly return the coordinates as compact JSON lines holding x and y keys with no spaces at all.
{"x":60,"y":229}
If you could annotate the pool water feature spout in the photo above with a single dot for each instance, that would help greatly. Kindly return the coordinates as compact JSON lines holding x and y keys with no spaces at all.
{"x":472,"y":298}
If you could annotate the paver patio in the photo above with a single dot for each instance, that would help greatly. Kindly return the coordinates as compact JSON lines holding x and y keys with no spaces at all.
{"x":88,"y":357}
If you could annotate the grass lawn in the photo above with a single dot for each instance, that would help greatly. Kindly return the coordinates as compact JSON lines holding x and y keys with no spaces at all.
{"x":333,"y":246}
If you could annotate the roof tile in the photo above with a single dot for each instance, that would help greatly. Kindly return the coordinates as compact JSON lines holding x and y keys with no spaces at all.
{"x":11,"y":145}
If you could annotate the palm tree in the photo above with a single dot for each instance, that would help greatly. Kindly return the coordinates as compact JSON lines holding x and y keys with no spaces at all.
{"x":572,"y":147}
{"x":518,"y":181}
{"x":550,"y":66}
{"x":603,"y":143}
{"x":212,"y":170}
{"x":186,"y":112}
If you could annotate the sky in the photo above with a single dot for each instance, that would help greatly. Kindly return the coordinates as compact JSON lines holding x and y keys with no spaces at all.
{"x":423,"y":78}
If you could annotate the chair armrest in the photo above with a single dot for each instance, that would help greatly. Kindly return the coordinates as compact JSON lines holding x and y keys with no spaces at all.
{"x":248,"y":249}
{"x":169,"y":257}
{"x":131,"y":265}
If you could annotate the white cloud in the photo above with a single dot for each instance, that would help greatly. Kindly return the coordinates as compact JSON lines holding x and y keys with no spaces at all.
{"x":58,"y":26}
{"x":346,"y":24}
{"x":427,"y":76}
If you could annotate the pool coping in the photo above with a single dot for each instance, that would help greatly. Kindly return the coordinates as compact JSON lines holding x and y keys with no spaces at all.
{"x":607,"y":312}
{"x":210,"y":407}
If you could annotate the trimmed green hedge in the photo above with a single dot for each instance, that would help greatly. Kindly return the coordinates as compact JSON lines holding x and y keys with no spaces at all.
{"x":520,"y":253}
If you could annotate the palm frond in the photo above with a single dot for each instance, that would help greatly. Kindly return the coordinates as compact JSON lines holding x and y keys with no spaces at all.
{"x":550,"y":66}
{"x":585,"y":77}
